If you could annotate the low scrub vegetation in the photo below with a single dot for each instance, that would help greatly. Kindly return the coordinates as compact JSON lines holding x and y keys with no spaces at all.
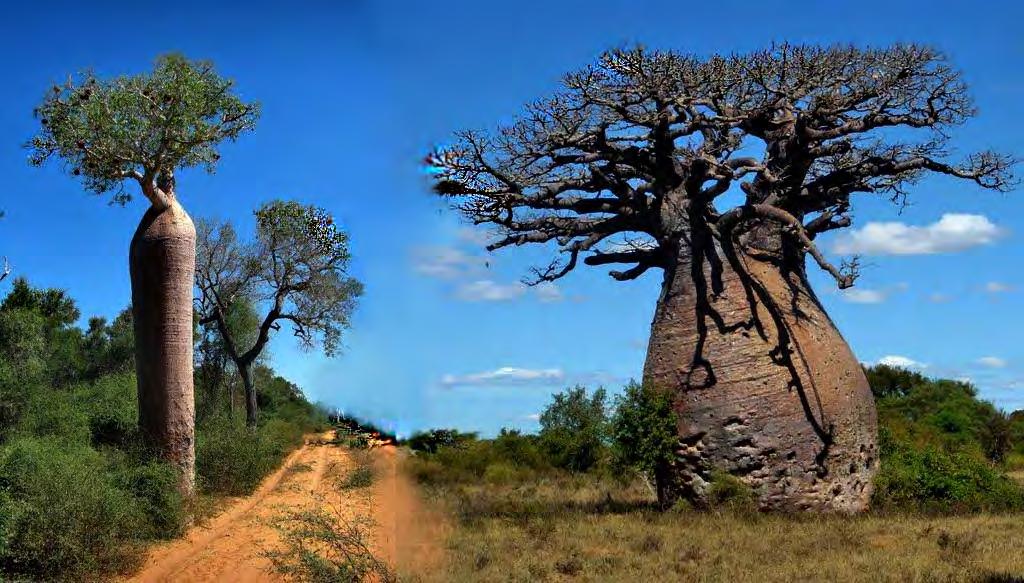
{"x":321,"y":546}
{"x":578,"y":499}
{"x":79,"y":496}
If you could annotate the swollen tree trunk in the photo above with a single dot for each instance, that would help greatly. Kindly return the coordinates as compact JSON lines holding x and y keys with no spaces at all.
{"x":765,"y":387}
{"x":162,"y":263}
{"x":251,"y":406}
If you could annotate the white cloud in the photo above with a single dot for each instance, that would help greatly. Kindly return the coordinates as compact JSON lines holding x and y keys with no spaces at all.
{"x":533,"y":417}
{"x":445,"y":262}
{"x":506,"y":376}
{"x":857,"y":295}
{"x":486,"y":290}
{"x":862,"y":295}
{"x":548,"y":292}
{"x":995,"y":287}
{"x":992,"y":362}
{"x":953,"y":232}
{"x":901,"y":362}
{"x":475,"y":236}
{"x":940,"y":298}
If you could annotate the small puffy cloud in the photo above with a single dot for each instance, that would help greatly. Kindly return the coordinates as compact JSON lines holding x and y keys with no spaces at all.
{"x":856,"y":295}
{"x":992,"y":362}
{"x":506,"y":376}
{"x":953,"y":232}
{"x":901,"y":362}
{"x":486,"y":290}
{"x":532,"y":417}
{"x":445,"y":262}
{"x":861,"y":295}
{"x":475,"y":236}
{"x":938,"y":298}
{"x":548,"y":292}
{"x":996,"y":287}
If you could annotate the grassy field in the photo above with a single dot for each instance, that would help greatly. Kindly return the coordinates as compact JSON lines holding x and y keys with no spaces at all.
{"x":582,"y":528}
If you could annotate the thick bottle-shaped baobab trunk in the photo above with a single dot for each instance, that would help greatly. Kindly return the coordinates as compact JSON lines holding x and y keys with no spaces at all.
{"x":765,"y":386}
{"x":162,"y":263}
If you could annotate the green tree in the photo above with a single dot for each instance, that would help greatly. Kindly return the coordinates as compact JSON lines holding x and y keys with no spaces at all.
{"x":296,"y":270}
{"x":644,"y":435}
{"x":63,"y":354}
{"x":574,"y":429}
{"x":144,"y":129}
{"x":216,"y":386}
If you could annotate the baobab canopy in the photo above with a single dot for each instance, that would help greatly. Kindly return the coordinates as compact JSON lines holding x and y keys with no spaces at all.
{"x":629,"y":141}
{"x":140,"y":127}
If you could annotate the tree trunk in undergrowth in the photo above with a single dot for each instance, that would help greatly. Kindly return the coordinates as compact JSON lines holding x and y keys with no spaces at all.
{"x":251,"y":405}
{"x":764,"y":385}
{"x":162,"y":263}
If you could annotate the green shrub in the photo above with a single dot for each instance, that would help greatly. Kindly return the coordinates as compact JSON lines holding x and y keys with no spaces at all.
{"x":729,"y":492}
{"x":155,"y":486}
{"x":573,"y":429}
{"x":64,"y":518}
{"x":111,"y":403}
{"x":360,"y":477}
{"x":434,"y":439}
{"x":643,"y":430}
{"x":230,"y":459}
{"x":56,"y":414}
{"x":500,"y":473}
{"x":324,"y":547}
{"x":929,"y":478}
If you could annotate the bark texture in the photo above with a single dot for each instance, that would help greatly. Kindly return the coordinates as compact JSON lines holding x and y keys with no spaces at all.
{"x":162,"y":263}
{"x":251,"y":404}
{"x":766,"y":388}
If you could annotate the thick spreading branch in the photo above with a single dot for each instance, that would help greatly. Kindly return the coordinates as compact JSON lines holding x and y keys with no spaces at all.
{"x":642,"y":143}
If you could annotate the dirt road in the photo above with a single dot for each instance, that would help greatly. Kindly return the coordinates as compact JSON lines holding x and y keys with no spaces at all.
{"x":229,"y":547}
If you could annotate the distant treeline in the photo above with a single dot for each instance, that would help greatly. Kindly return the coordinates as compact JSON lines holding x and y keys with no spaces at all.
{"x":943,"y":449}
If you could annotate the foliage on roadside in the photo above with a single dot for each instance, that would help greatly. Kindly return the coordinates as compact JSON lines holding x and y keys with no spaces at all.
{"x":79,"y":496}
{"x":322,"y":546}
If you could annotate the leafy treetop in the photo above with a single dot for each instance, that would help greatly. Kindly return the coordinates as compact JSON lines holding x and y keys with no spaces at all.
{"x":297,"y":267}
{"x":141,"y":127}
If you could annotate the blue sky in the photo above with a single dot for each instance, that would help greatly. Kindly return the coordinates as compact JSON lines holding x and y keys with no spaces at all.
{"x":354,"y":93}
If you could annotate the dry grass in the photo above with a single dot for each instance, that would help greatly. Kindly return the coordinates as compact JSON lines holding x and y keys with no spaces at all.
{"x":582,"y":529}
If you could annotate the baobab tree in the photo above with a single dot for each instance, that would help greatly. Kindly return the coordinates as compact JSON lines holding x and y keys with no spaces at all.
{"x":143,"y":129}
{"x":296,"y":269}
{"x":629,"y":163}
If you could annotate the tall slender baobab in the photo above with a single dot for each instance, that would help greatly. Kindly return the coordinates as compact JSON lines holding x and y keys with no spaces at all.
{"x":296,"y":269}
{"x":143,"y":129}
{"x":647,"y":143}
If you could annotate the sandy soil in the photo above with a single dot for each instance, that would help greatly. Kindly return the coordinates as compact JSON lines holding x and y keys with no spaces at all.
{"x":228,"y":547}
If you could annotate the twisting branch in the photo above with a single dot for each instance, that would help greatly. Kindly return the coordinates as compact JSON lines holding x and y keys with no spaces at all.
{"x":633,"y":142}
{"x":792,"y":227}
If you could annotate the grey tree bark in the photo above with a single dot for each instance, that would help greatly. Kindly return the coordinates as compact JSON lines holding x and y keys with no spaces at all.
{"x":162,"y":264}
{"x":766,"y":388}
